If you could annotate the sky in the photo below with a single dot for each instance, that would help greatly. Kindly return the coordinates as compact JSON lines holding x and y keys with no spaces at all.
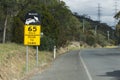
{"x":90,"y":8}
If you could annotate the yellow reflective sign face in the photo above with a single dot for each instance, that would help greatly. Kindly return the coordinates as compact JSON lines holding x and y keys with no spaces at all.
{"x":32,"y":35}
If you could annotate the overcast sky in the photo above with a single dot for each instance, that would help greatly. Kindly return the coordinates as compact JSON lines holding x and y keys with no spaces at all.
{"x":90,"y":7}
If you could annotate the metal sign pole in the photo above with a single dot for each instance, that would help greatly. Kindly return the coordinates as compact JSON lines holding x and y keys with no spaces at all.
{"x":26,"y":58}
{"x":32,"y":28}
{"x":37,"y":56}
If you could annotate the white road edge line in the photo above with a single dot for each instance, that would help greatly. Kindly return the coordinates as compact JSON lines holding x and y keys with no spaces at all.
{"x":85,"y":67}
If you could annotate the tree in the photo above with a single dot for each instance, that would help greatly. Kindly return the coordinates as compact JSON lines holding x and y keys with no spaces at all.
{"x":7,"y":7}
{"x":117,"y":30}
{"x":117,"y":15}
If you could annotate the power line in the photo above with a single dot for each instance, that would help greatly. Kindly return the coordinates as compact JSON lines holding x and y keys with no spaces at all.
{"x":99,"y":12}
{"x":116,"y":10}
{"x":116,"y":6}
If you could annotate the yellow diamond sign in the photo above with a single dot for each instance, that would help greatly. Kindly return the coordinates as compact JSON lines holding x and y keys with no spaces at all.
{"x":32,"y":35}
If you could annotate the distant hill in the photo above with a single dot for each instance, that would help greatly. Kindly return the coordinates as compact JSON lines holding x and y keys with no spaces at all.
{"x":97,"y":31}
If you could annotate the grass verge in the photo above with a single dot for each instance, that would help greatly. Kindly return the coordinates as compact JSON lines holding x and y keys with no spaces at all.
{"x":13,"y":60}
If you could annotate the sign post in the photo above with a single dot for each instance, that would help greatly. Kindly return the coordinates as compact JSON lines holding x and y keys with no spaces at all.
{"x":37,"y":56}
{"x":26,"y":58}
{"x":32,"y":30}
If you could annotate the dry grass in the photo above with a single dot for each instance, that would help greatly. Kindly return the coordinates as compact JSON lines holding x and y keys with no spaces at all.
{"x":110,"y":46}
{"x":13,"y":60}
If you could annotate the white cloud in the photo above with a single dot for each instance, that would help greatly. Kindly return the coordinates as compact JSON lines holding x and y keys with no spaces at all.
{"x":90,"y":7}
{"x":109,"y":19}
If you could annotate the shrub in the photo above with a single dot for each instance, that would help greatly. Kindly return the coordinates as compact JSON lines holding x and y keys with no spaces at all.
{"x":90,"y":40}
{"x":47,"y":43}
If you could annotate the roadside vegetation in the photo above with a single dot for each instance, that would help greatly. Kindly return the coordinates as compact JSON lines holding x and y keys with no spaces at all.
{"x":13,"y":61}
{"x":60,"y":26}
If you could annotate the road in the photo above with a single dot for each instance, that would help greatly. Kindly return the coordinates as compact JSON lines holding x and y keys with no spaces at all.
{"x":88,"y":64}
{"x":102,"y":64}
{"x":66,"y":67}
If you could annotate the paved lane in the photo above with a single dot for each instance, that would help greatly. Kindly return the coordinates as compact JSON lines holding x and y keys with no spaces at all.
{"x":66,"y":67}
{"x":102,"y":64}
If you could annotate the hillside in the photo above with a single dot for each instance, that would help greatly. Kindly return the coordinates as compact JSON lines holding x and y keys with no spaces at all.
{"x":58,"y":24}
{"x":60,"y":28}
{"x":93,"y":32}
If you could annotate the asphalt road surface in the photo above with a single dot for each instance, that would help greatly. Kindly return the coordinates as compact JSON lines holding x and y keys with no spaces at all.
{"x":88,"y":64}
{"x":102,"y":64}
{"x":66,"y":67}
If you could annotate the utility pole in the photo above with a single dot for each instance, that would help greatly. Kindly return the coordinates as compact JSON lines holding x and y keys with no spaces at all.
{"x":59,"y":1}
{"x":99,"y":12}
{"x":83,"y":25}
{"x":116,"y":10}
{"x":108,"y":34}
{"x":95,"y":30}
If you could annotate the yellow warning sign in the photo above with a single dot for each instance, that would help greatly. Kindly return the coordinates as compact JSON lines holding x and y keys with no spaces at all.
{"x":32,"y":35}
